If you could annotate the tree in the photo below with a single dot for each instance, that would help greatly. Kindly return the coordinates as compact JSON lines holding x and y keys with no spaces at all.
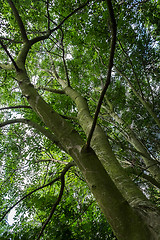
{"x":62,"y":100}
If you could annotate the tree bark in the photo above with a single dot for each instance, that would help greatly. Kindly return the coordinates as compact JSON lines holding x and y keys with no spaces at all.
{"x":123,"y":204}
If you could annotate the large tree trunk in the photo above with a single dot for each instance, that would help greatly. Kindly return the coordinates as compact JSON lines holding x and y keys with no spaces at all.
{"x":127,"y":210}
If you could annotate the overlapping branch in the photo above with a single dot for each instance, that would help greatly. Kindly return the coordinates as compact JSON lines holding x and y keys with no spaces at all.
{"x":49,"y":32}
{"x":58,"y":199}
{"x":39,"y":188}
{"x":113,"y":44}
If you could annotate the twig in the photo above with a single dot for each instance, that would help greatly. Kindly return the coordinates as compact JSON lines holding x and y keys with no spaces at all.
{"x":113,"y":44}
{"x":58,"y":199}
{"x":48,"y":15}
{"x":27,"y":195}
{"x":9,"y":55}
{"x":64,"y":61}
{"x":135,"y":75}
{"x":48,"y":33}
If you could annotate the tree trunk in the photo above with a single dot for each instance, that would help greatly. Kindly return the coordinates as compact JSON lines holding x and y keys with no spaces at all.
{"x":151,"y":164}
{"x":127,"y":210}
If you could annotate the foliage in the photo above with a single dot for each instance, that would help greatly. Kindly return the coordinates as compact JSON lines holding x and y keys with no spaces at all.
{"x":79,"y":50}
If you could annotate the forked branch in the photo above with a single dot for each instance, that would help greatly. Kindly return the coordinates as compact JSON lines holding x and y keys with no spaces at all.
{"x":48,"y":33}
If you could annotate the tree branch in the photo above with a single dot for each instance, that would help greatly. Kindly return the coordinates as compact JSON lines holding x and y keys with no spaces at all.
{"x":135,"y":75}
{"x":113,"y":44}
{"x":14,"y":107}
{"x":9,"y":55}
{"x":9,"y":40}
{"x":48,"y":33}
{"x":52,"y":160}
{"x":36,"y":126}
{"x":41,"y":187}
{"x":19,"y":20}
{"x":131,"y":170}
{"x":64,"y":61}
{"x":27,"y":195}
{"x":58,"y":199}
{"x":58,"y":91}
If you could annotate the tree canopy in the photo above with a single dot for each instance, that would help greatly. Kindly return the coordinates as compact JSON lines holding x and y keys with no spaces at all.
{"x":79,"y":119}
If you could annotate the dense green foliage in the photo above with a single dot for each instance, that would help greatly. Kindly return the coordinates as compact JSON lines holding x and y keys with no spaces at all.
{"x":80,"y":50}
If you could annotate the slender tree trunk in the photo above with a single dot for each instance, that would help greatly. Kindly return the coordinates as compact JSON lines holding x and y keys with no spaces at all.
{"x":151,"y":164}
{"x":146,"y":104}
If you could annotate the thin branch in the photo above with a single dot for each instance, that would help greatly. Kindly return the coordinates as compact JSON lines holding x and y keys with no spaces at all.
{"x":36,"y":126}
{"x":48,"y":15}
{"x":58,"y":91}
{"x":10,"y":40}
{"x":19,"y":20}
{"x":9,"y":55}
{"x":140,"y":174}
{"x":58,"y":199}
{"x":52,"y":160}
{"x":113,"y":44}
{"x":41,"y":187}
{"x":48,"y":33}
{"x":145,"y":103}
{"x":69,"y":15}
{"x":135,"y":75}
{"x":64,"y":61}
{"x":27,"y":195}
{"x":82,"y":213}
{"x":14,"y":107}
{"x":131,"y":170}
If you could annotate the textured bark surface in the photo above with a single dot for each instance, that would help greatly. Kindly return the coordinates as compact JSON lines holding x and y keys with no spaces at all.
{"x":121,"y":201}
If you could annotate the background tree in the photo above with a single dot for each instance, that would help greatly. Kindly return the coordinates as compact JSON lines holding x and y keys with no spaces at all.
{"x":79,"y":105}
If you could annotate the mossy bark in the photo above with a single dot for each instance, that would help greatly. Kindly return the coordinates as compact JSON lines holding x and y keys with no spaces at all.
{"x":117,"y":196}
